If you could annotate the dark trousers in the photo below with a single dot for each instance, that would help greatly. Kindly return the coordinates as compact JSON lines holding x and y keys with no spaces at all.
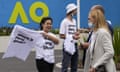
{"x":84,"y":55}
{"x":70,"y":60}
{"x":43,"y":66}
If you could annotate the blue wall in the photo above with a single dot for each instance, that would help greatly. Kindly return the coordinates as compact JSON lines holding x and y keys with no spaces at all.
{"x":112,"y":10}
{"x":57,"y":11}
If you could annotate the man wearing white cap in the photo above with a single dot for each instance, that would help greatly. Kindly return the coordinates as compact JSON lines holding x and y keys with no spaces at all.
{"x":68,"y":32}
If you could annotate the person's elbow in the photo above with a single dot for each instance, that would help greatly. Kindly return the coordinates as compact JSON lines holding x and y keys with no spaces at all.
{"x":111,"y":52}
{"x":62,"y":36}
{"x":56,"y":41}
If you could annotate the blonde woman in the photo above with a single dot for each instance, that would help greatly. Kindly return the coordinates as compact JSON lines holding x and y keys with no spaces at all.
{"x":100,"y":51}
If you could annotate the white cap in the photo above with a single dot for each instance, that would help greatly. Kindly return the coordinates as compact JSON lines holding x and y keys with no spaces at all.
{"x":70,"y":7}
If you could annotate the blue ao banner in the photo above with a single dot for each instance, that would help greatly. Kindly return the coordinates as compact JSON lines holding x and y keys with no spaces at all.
{"x":29,"y":12}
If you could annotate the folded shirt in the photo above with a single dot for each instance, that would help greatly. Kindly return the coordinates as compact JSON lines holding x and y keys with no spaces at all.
{"x":69,"y":45}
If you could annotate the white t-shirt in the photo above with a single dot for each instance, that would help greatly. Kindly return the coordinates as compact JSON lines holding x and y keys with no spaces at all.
{"x":68,"y":27}
{"x":45,"y":49}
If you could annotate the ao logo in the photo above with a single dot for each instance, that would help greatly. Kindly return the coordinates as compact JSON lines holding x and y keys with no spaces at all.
{"x":19,"y":11}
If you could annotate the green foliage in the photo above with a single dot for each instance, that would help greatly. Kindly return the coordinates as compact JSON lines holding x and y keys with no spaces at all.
{"x":5,"y":31}
{"x":55,"y":31}
{"x":116,"y":44}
